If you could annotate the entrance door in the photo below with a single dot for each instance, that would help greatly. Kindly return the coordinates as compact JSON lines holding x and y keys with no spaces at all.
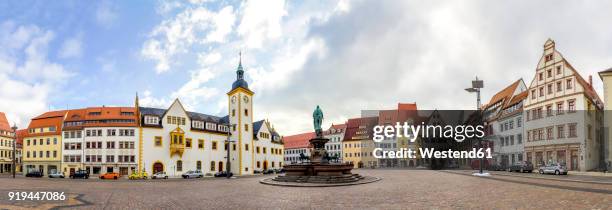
{"x":220,"y":166}
{"x":265,"y":165}
{"x":123,"y":170}
{"x":109,"y":169}
{"x":72,"y":171}
{"x":574,"y":159}
{"x":158,"y":167}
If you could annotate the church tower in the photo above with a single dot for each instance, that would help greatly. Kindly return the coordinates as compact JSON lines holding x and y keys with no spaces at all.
{"x":241,"y":124}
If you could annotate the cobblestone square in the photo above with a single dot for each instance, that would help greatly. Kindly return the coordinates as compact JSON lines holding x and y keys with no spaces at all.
{"x":398,"y":189}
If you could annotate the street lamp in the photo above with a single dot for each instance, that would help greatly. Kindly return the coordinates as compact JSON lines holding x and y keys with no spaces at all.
{"x":14,"y":148}
{"x":228,"y":166}
{"x":476,"y":86}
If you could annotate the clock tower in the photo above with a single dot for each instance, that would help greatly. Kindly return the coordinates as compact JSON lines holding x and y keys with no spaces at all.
{"x":241,"y":124}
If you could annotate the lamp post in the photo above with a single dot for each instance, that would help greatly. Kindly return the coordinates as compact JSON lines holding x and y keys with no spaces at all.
{"x":14,"y":149}
{"x":476,"y":86}
{"x":228,"y":166}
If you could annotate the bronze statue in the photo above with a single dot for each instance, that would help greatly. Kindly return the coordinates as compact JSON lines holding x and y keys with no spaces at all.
{"x":317,"y":116}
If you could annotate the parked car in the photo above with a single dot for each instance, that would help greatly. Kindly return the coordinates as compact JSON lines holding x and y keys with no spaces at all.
{"x":224,"y":174}
{"x":523,"y":166}
{"x":110,"y":175}
{"x":80,"y":174}
{"x":136,"y":175}
{"x":497,"y":167}
{"x":34,"y":174}
{"x":268,"y":171}
{"x":556,"y":169}
{"x":56,"y":175}
{"x":280,"y":171}
{"x":193,"y":174}
{"x":160,"y":175}
{"x":256,"y":171}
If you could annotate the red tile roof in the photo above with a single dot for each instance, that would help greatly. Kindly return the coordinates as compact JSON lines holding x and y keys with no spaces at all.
{"x":298,"y":141}
{"x":48,"y":119}
{"x":4,"y":124}
{"x":20,"y":134}
{"x":407,"y":106}
{"x":95,"y":116}
{"x":504,"y":94}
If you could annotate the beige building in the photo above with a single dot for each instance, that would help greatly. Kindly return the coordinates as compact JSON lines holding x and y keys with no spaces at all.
{"x":7,"y":137}
{"x":606,"y":77}
{"x":563,"y":115}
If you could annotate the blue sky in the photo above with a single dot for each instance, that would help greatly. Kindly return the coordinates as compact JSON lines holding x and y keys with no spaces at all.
{"x":343,"y":55}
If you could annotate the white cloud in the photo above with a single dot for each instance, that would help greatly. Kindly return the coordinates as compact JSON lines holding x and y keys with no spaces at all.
{"x":72,"y":47}
{"x":261,"y":21}
{"x":106,"y":14}
{"x":194,"y":26}
{"x":148,"y":100}
{"x":28,"y":77}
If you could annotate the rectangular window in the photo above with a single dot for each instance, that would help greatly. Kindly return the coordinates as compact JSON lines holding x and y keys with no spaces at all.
{"x":246,"y":147}
{"x":572,"y":130}
{"x":559,"y":87}
{"x":200,"y":144}
{"x":188,"y":142}
{"x":550,"y":88}
{"x":110,"y":158}
{"x":571,"y":105}
{"x":214,"y":145}
{"x":158,"y":141}
{"x":533,"y":94}
{"x":541,"y":91}
{"x":519,"y":138}
{"x":549,"y":133}
{"x":549,"y":110}
{"x":549,"y":73}
{"x":568,"y":84}
{"x":558,"y":69}
{"x":541,"y":76}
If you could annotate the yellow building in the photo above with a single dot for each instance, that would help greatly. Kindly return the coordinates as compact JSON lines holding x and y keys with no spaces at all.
{"x":358,"y":145}
{"x":42,"y":144}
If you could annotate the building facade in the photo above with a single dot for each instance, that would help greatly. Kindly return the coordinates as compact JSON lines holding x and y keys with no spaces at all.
{"x":335,"y":134}
{"x":405,"y":112}
{"x":268,"y":147}
{"x":606,"y":77}
{"x":296,"y":146}
{"x":563,"y":115}
{"x":7,"y":137}
{"x":358,"y":144}
{"x":43,"y":143}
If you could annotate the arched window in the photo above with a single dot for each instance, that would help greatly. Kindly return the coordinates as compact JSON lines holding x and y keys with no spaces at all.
{"x":199,"y":165}
{"x":212,"y":165}
{"x":179,"y":165}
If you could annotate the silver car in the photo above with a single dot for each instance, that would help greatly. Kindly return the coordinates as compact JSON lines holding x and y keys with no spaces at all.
{"x":56,"y":175}
{"x":556,"y":169}
{"x":160,"y":175}
{"x":193,"y":174}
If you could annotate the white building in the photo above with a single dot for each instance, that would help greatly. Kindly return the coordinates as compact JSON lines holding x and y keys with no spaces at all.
{"x":175,"y":140}
{"x":606,"y":77}
{"x":268,"y":146}
{"x":335,"y":134}
{"x":563,"y":115}
{"x":7,"y":137}
{"x":296,"y":146}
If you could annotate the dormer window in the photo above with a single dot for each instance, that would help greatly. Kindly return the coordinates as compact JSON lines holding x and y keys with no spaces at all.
{"x":548,"y":57}
{"x":151,"y":120}
{"x":197,"y":124}
{"x":211,"y":126}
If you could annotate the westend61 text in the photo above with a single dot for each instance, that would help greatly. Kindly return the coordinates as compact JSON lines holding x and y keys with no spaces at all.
{"x":432,"y":153}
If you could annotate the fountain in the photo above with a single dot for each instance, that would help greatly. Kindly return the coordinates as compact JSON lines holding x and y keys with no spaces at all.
{"x":319,"y":171}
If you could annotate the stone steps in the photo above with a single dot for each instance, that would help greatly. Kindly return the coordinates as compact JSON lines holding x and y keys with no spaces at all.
{"x":320,"y":179}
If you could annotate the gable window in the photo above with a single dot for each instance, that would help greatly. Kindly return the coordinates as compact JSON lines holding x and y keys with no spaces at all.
{"x":569,"y":84}
{"x":559,"y":87}
{"x":558,"y":69}
{"x":548,"y":57}
{"x":549,"y":73}
{"x":533,"y":94}
{"x":541,"y":91}
{"x":541,"y":76}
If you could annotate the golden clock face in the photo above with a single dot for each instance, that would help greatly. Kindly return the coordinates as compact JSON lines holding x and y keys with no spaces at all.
{"x":245,"y":99}
{"x":233,"y":99}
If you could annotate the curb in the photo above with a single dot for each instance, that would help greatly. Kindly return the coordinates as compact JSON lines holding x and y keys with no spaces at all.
{"x":269,"y":181}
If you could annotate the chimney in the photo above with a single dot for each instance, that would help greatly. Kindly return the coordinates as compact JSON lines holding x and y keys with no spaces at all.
{"x":591,"y":80}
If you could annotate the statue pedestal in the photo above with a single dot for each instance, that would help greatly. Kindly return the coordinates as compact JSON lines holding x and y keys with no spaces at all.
{"x":318,"y":150}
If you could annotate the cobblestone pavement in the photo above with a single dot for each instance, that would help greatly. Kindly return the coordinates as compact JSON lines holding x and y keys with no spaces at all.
{"x":398,"y":189}
{"x":580,"y":178}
